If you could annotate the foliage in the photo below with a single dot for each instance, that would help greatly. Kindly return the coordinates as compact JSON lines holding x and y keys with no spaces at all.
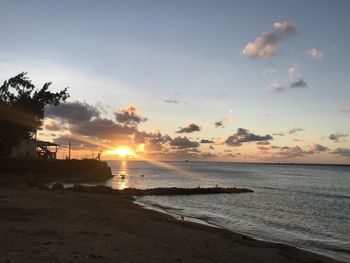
{"x":22,"y":109}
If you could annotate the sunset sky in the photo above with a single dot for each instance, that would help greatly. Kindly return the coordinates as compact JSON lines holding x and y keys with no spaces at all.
{"x":254,"y":81}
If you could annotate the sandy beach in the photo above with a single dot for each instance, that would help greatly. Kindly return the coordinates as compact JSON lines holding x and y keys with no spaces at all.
{"x":62,"y":226}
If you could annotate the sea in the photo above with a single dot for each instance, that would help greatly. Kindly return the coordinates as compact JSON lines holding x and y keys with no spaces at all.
{"x":306,"y":206}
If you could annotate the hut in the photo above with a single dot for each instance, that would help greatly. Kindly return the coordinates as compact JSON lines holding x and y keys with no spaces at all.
{"x":34,"y":149}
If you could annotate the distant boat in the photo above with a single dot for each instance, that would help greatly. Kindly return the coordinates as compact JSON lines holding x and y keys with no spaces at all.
{"x":123,"y":176}
{"x":186,"y":161}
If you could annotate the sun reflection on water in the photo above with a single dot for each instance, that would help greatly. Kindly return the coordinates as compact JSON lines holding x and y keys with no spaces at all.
{"x":121,"y":180}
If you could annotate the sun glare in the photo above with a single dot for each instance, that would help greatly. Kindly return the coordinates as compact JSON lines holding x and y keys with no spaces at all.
{"x":123,"y":151}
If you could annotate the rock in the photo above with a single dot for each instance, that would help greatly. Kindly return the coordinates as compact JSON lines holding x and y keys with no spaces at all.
{"x":57,"y":187}
{"x":32,"y":182}
{"x":94,"y":256}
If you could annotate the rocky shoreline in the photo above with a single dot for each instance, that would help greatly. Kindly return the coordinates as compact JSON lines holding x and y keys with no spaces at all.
{"x":152,"y":191}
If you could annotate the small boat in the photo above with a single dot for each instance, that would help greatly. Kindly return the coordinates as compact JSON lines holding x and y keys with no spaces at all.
{"x":123,"y":175}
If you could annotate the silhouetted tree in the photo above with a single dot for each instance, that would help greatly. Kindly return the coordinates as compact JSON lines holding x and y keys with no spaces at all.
{"x":22,"y":110}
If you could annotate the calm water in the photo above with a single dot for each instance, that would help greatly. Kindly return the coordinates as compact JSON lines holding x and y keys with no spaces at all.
{"x":301,"y":205}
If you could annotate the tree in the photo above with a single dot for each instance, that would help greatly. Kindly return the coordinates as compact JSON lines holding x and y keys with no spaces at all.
{"x":22,"y":110}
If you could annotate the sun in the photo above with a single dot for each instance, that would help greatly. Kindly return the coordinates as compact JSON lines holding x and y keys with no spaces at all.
{"x":123,"y":151}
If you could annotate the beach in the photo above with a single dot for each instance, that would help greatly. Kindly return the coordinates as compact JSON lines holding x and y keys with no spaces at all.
{"x":63,"y":226}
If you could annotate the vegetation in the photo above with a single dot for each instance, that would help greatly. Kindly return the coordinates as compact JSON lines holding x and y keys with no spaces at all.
{"x":22,"y":110}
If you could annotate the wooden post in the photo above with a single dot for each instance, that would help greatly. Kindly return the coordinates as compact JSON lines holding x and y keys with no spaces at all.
{"x":70,"y":145}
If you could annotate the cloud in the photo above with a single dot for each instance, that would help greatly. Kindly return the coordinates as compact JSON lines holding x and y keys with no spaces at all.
{"x":218,"y":124}
{"x":84,"y":120}
{"x":315,"y":53}
{"x":185,"y":154}
{"x":263,"y":143}
{"x":266,"y":45}
{"x":337,"y":137}
{"x":103,"y":129}
{"x":342,"y":152}
{"x":268,"y":71}
{"x":73,"y":112}
{"x":52,"y":125}
{"x":344,"y":110}
{"x":263,"y":148}
{"x":154,"y":142}
{"x":129,"y":116}
{"x":183,"y":142}
{"x":298,"y":84}
{"x":297,"y":151}
{"x":294,"y":130}
{"x":171,"y":101}
{"x":243,"y":136}
{"x":206,"y":141}
{"x":316,"y":148}
{"x":289,"y":131}
{"x":189,"y":128}
{"x":296,"y":81}
{"x":293,"y":71}
{"x":290,"y":151}
{"x":276,"y":87}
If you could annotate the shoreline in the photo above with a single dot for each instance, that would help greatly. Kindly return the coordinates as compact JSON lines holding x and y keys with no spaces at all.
{"x":181,"y":217}
{"x":64,"y":226}
{"x":227,"y":162}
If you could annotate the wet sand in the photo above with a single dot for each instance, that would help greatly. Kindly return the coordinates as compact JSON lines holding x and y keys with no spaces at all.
{"x":62,"y":226}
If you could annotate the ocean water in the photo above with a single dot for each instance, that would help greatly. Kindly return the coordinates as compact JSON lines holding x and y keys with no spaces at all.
{"x":307,"y":206}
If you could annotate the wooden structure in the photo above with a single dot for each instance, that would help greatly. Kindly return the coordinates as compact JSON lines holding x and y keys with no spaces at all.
{"x":46,"y":150}
{"x":33,"y":149}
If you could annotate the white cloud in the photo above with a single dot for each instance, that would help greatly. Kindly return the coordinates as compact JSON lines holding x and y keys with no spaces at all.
{"x":266,"y":45}
{"x":268,"y":71}
{"x":276,"y":87}
{"x":293,"y":71}
{"x":315,"y":53}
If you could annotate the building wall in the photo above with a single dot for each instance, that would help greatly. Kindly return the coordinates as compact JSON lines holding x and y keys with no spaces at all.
{"x":26,"y":148}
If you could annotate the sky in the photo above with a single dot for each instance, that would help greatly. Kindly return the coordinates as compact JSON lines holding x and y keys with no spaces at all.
{"x":245,"y":81}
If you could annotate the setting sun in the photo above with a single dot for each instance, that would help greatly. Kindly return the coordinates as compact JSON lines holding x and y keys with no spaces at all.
{"x":123,"y":151}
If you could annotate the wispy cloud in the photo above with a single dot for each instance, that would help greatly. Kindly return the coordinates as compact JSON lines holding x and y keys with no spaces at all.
{"x":298,"y":84}
{"x":337,"y":137}
{"x":293,"y":71}
{"x":315,"y":53}
{"x":266,"y":45}
{"x":268,"y":71}
{"x":296,"y":81}
{"x":298,"y":151}
{"x":276,"y":87}
{"x":344,"y":110}
{"x":317,"y":148}
{"x":345,"y":152}
{"x":294,"y":130}
{"x":219,"y":124}
{"x":172,"y":101}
